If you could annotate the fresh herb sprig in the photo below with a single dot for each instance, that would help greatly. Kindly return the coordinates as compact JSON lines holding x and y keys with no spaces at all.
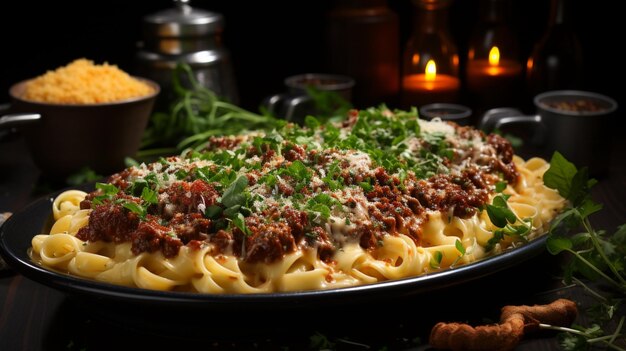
{"x":196,"y":114}
{"x":329,"y":105}
{"x":508,"y":223}
{"x":596,"y":257}
{"x":234,"y":206}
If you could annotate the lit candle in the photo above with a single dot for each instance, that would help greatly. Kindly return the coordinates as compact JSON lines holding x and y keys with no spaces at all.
{"x":429,"y":87}
{"x":495,"y":81}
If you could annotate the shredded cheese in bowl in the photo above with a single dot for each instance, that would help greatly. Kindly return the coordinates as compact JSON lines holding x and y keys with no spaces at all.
{"x":83,"y":82}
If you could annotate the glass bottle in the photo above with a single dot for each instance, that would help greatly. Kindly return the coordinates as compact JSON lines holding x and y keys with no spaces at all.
{"x":556,"y":61}
{"x":494,"y":68}
{"x":430,"y":59}
{"x":362,"y":39}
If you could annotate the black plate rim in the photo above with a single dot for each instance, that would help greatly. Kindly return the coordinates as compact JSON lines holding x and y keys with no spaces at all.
{"x":14,"y":252}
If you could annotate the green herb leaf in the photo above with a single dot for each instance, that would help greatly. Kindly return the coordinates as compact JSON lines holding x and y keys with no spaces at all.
{"x":588,"y":207}
{"x":560,"y":174}
{"x":435,"y":260}
{"x":323,"y":210}
{"x":518,"y":230}
{"x":366,"y":186}
{"x":619,"y":237}
{"x":197,"y":113}
{"x":232,"y":211}
{"x":240,"y":222}
{"x":319,"y":341}
{"x":212,"y":212}
{"x":297,"y":170}
{"x":500,"y":186}
{"x":580,"y":187}
{"x":135,"y":208}
{"x":311,"y":235}
{"x":500,"y":202}
{"x":311,"y":122}
{"x":137,"y":186}
{"x":459,"y":246}
{"x":150,"y":196}
{"x":181,"y":174}
{"x":498,"y":215}
{"x":571,"y":218}
{"x":107,"y":189}
{"x":234,"y":194}
{"x":557,"y":244}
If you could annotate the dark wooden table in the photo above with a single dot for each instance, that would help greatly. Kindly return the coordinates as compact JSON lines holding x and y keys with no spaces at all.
{"x":36,"y":317}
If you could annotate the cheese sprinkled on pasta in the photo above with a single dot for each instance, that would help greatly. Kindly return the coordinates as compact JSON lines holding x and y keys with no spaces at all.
{"x":383,"y":195}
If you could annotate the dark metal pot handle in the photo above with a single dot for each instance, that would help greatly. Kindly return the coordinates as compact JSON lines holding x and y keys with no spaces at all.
{"x":18,"y":119}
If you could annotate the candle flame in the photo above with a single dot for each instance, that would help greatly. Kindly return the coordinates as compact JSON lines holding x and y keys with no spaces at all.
{"x":494,"y":56}
{"x":431,"y":70}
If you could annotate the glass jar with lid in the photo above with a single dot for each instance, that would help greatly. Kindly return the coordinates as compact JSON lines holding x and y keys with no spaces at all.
{"x":187,"y":35}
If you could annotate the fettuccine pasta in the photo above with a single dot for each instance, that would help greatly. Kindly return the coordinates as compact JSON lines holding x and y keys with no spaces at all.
{"x":382,"y":196}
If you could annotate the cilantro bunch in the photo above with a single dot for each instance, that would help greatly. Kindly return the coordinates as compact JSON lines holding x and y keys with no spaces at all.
{"x":596,"y":258}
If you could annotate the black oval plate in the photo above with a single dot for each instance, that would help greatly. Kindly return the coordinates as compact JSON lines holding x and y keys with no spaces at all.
{"x":17,"y":232}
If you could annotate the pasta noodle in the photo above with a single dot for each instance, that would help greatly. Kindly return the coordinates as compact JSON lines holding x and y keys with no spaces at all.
{"x":381,"y":196}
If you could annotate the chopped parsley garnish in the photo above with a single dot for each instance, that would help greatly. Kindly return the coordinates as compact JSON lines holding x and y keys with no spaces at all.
{"x":435,"y":260}
{"x":108,"y":192}
{"x":313,"y":168}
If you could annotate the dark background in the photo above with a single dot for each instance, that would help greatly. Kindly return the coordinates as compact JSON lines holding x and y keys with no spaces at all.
{"x":269,"y":40}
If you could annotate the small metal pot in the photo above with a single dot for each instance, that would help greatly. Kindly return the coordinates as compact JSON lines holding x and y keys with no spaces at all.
{"x":63,"y":138}
{"x":582,"y":136}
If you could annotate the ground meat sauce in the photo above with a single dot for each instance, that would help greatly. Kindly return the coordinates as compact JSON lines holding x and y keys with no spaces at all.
{"x":395,"y":210}
{"x":318,"y":238}
{"x":190,"y":226}
{"x":297,"y":221}
{"x":503,"y":163}
{"x":111,"y":223}
{"x":443,"y":192}
{"x":185,"y":197}
{"x":266,"y":242}
{"x":391,"y":215}
{"x":390,"y":205}
{"x":222,"y":142}
{"x":150,"y":236}
{"x":295,"y":152}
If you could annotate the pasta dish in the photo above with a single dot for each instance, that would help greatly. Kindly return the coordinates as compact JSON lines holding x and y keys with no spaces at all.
{"x":382,"y":195}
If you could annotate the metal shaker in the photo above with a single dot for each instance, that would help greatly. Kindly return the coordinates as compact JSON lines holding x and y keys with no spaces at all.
{"x":192,"y":36}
